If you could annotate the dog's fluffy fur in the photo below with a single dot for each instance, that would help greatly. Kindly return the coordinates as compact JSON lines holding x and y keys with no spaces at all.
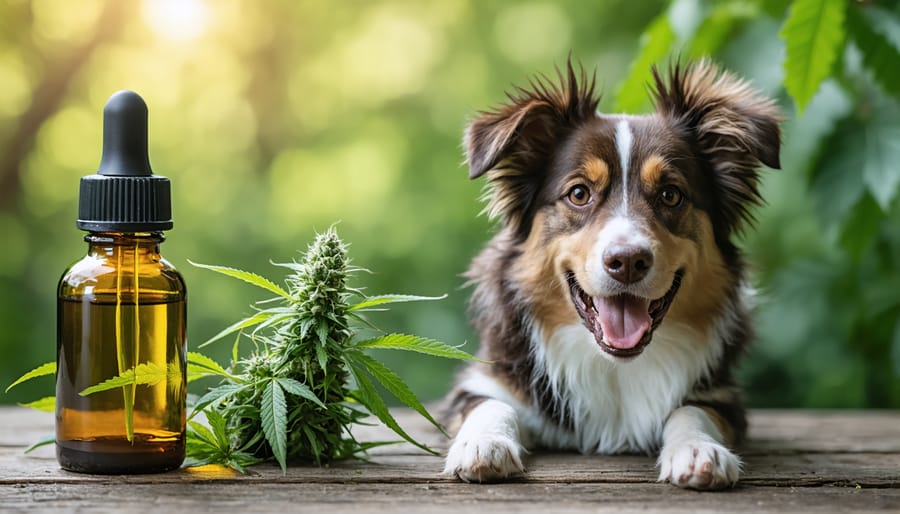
{"x":614,"y":230}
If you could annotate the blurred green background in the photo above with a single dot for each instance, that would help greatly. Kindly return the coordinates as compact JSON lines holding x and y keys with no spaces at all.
{"x":275,"y":119}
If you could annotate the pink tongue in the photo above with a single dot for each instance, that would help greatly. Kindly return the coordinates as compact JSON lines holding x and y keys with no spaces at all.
{"x":624,"y":320}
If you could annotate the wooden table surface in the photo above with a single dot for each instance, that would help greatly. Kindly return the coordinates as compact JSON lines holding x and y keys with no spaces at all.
{"x":795,"y":461}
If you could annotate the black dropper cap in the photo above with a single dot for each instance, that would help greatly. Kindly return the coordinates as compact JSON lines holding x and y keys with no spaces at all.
{"x":125,"y":195}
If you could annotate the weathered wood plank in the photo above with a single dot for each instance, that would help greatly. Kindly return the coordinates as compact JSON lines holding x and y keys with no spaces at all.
{"x":795,"y":461}
{"x":830,"y":431}
{"x":771,"y":431}
{"x":800,"y":470}
{"x":253,"y":497}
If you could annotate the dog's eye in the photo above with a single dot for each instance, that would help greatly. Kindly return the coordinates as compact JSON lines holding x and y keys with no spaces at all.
{"x":579,"y":196}
{"x":671,"y":196}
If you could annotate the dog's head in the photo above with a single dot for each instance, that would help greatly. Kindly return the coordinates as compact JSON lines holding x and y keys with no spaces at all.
{"x":621,"y":221}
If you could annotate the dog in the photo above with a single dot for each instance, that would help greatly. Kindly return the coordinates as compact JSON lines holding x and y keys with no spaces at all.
{"x":612,"y":305}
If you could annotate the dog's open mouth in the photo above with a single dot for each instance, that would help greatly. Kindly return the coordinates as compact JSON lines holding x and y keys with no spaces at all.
{"x":623,"y":324}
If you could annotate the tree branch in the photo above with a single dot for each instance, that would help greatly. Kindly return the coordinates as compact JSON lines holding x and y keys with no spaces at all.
{"x":47,"y":98}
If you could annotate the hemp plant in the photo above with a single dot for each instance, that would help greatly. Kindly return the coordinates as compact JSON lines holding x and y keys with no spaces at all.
{"x":309,"y":377}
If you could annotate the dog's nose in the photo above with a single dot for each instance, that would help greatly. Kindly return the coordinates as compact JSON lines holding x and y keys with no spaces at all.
{"x":627,"y":263}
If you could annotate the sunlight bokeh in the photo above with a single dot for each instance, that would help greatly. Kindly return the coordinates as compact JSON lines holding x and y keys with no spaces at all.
{"x":178,"y":20}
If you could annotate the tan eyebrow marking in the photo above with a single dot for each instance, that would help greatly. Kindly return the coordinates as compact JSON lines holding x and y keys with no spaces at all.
{"x":597,"y":171}
{"x":652,"y":171}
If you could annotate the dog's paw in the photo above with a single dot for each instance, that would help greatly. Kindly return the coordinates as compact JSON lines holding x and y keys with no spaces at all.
{"x":486,"y":458}
{"x":699,"y":465}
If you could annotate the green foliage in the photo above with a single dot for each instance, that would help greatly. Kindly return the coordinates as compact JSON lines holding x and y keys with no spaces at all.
{"x":723,"y":20}
{"x":362,"y":363}
{"x":48,"y":368}
{"x":367,"y":395}
{"x":273,"y":418}
{"x":248,"y":277}
{"x":201,"y":366}
{"x":656,"y":43}
{"x":414,"y":344}
{"x":51,"y":439}
{"x":148,"y":373}
{"x":375,"y":301}
{"x":290,"y":399}
{"x":880,"y":56}
{"x":685,"y":29}
{"x":813,"y":35}
{"x":820,"y":324}
{"x":212,"y":444}
{"x":45,"y":404}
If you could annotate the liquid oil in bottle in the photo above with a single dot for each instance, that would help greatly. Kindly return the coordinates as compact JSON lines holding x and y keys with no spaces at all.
{"x":121,"y":365}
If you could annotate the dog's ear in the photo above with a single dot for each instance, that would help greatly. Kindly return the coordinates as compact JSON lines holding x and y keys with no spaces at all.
{"x":512,"y":144}
{"x":734,"y":127}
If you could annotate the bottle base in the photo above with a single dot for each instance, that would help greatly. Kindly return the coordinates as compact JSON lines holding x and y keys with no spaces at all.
{"x":118,"y":457}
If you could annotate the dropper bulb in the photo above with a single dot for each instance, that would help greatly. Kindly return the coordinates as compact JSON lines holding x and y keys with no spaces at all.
{"x":124,"y":195}
{"x":125,"y":136}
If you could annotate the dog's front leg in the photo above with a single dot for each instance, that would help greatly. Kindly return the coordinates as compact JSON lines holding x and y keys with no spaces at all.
{"x":487,"y":447}
{"x":694,"y":454}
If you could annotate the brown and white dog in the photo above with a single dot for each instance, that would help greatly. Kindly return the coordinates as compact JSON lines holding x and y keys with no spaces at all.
{"x":611,"y":305}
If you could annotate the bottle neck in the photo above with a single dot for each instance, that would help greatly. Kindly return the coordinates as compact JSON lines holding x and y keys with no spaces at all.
{"x":113,"y":242}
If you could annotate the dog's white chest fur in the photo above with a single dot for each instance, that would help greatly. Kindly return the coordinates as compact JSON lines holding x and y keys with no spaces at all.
{"x":613,"y":407}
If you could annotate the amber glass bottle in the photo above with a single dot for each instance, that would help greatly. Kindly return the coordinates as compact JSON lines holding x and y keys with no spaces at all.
{"x":121,"y":315}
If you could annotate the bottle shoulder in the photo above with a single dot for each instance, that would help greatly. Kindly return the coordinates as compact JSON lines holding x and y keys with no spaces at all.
{"x":100,"y":274}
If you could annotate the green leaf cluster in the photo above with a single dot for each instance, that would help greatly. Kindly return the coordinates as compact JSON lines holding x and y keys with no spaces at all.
{"x":309,"y":377}
{"x":837,"y":290}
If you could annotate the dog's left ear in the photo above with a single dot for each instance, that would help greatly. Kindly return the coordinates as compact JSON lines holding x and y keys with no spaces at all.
{"x":734,"y":127}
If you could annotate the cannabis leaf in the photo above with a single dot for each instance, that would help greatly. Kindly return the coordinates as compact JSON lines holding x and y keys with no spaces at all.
{"x":46,"y":404}
{"x":200,"y":366}
{"x":217,"y":395}
{"x":415,"y":344}
{"x":246,"y":276}
{"x":362,"y":363}
{"x":293,"y":387}
{"x":148,"y":373}
{"x":48,"y":368}
{"x":368,"y":396}
{"x":256,"y":319}
{"x":44,"y":441}
{"x":212,"y":445}
{"x":273,"y":415}
{"x":374,"y":301}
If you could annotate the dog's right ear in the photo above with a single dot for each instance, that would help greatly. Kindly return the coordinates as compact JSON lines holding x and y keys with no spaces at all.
{"x":512,"y":144}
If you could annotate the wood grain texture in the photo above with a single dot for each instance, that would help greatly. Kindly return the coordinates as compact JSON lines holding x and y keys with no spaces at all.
{"x":795,"y":461}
